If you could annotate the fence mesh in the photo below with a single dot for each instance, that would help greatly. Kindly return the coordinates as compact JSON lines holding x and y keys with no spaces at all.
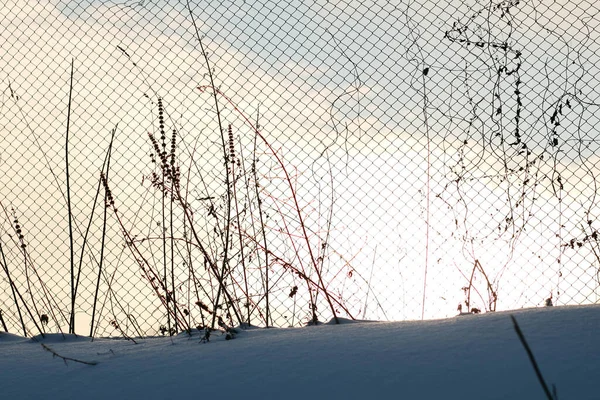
{"x":167,"y":165}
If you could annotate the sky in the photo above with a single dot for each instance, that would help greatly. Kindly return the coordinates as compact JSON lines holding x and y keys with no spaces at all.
{"x":408,"y":165}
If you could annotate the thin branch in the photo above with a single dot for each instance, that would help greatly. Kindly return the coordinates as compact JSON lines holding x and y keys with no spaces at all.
{"x":532,"y":359}
{"x":65,"y":359}
{"x":3,"y":323}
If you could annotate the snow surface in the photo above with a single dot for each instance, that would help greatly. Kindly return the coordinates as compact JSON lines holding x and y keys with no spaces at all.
{"x":466,"y":357}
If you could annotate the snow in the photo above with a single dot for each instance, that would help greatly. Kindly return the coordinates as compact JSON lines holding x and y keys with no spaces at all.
{"x":465,"y":357}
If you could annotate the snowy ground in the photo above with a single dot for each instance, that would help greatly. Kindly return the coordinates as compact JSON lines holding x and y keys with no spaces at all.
{"x":466,"y":357}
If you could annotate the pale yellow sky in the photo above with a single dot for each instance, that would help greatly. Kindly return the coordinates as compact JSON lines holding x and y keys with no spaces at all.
{"x":341,"y":100}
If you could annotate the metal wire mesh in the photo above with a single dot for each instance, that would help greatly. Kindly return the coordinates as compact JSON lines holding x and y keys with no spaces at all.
{"x":277,"y":162}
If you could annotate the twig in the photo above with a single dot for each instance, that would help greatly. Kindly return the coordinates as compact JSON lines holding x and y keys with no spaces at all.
{"x":65,"y":359}
{"x":532,"y":359}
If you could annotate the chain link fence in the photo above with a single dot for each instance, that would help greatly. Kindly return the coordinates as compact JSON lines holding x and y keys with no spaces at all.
{"x":168,"y":165}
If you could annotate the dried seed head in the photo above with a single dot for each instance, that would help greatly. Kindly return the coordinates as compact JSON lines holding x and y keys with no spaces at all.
{"x":173,"y":143}
{"x":110,"y":201}
{"x":231,"y":145}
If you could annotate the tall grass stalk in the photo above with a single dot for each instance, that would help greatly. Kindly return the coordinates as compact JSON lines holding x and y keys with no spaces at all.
{"x":75,"y":275}
{"x":236,"y":201}
{"x":105,"y":170}
{"x":174,"y":186}
{"x":70,"y":213}
{"x":14,"y":290}
{"x":162,"y":154}
{"x":262,"y":228}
